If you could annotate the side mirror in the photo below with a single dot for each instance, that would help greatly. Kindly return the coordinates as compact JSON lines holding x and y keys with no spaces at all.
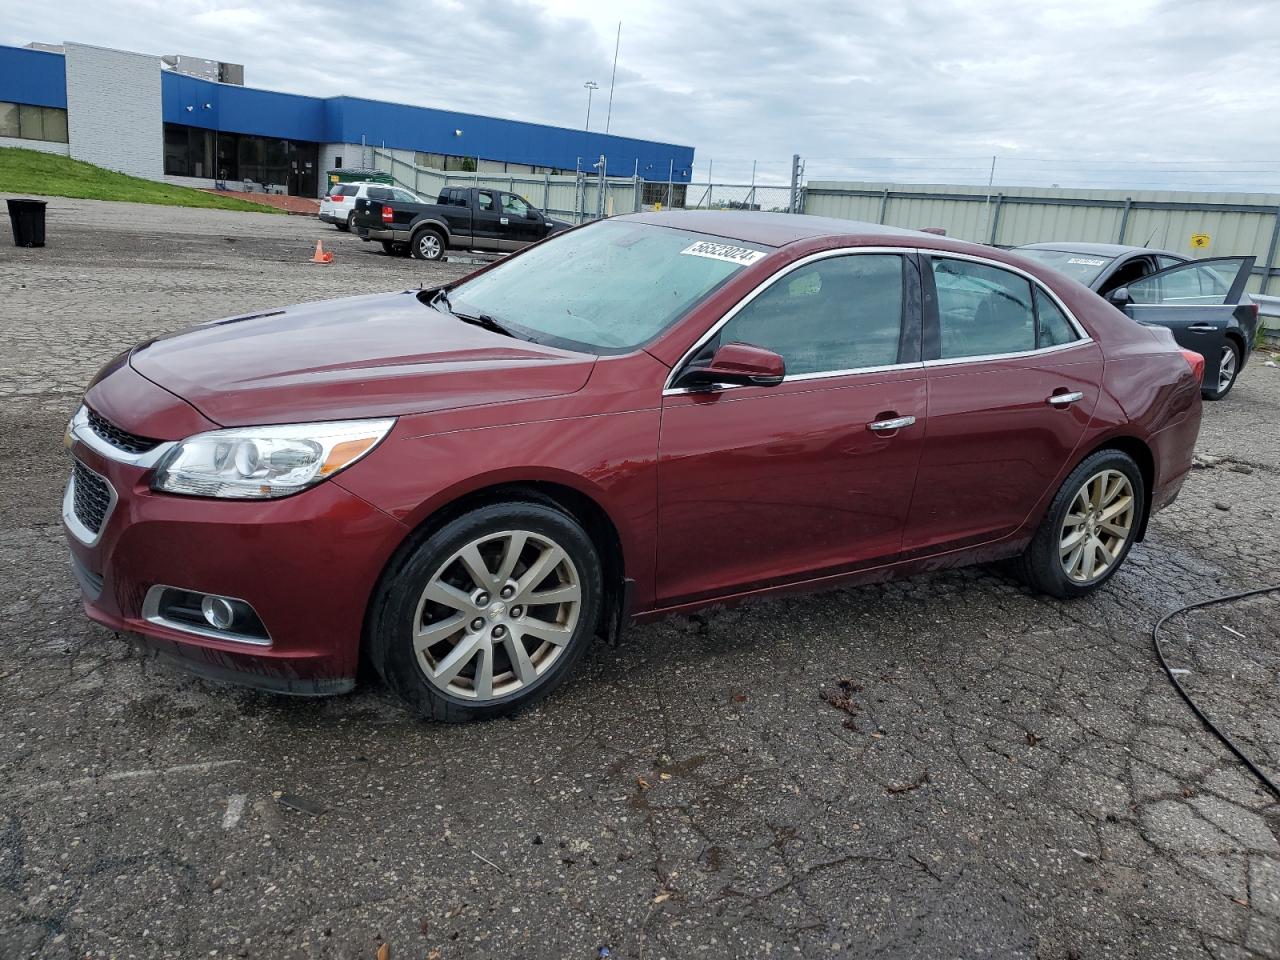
{"x":533,"y":214}
{"x":1119,"y":297}
{"x":739,"y":364}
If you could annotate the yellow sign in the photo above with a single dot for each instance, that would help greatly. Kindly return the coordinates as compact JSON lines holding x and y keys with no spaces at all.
{"x":657,"y":207}
{"x":1200,"y":241}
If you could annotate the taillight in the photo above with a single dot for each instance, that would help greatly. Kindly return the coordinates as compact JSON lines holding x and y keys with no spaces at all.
{"x":338,"y":197}
{"x":387,"y":214}
{"x":1196,"y":362}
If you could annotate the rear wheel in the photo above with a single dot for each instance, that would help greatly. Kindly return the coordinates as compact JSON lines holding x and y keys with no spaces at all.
{"x":346,"y":227}
{"x":1228,"y":370}
{"x":1089,"y":527}
{"x":427,"y":245}
{"x":487,"y":614}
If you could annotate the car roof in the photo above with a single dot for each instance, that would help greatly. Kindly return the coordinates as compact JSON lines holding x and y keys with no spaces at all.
{"x":774,"y":229}
{"x":1098,"y":249}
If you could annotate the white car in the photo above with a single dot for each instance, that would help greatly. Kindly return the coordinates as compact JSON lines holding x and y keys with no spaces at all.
{"x":339,"y":206}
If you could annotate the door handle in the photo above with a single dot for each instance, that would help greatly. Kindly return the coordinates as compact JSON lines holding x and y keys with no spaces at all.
{"x":504,"y":221}
{"x":893,"y":423}
{"x":1201,"y":328}
{"x":1065,"y":399}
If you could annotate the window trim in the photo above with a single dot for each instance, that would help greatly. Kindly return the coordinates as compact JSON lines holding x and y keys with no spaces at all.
{"x":909,"y":305}
{"x":931,"y":325}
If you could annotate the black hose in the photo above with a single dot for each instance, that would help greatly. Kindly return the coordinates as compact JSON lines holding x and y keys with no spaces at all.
{"x":1155,"y":639}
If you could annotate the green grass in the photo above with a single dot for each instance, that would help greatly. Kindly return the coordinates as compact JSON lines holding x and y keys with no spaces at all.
{"x":47,"y":174}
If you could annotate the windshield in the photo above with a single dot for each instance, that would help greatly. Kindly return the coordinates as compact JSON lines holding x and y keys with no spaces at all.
{"x":1083,"y":267}
{"x":607,"y":287}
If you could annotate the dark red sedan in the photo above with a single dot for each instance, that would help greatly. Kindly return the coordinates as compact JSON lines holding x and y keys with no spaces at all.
{"x":645,"y":415}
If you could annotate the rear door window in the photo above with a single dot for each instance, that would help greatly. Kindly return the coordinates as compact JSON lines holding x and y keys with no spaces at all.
{"x":1052,"y":326}
{"x":379,"y":193}
{"x":982,"y":310}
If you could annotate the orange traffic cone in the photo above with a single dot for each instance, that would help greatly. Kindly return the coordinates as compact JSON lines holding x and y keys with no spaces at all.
{"x":321,"y":255}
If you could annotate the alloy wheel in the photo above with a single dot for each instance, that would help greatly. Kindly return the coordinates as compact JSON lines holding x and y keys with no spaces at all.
{"x":429,"y":246}
{"x":496,"y":615}
{"x":1097,"y":526}
{"x":1226,"y":368}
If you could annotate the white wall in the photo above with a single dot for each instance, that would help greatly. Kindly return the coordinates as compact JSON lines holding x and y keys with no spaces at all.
{"x":45,"y":146}
{"x":113,"y":109}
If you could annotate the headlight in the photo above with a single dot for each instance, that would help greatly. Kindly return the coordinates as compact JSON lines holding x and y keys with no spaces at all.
{"x":265,"y":462}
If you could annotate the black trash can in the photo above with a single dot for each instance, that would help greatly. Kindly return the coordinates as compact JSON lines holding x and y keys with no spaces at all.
{"x":27,"y":218}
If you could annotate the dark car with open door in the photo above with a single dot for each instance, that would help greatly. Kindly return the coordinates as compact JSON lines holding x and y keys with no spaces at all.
{"x":1202,"y":301}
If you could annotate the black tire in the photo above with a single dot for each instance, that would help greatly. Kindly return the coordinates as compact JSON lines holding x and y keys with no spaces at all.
{"x":395,"y":609}
{"x":1223,"y":388}
{"x":427,"y":244}
{"x":1041,"y":565}
{"x":349,"y":225}
{"x":394,"y":248}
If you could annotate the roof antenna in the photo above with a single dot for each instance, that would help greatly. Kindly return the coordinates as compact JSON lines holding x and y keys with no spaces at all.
{"x":1152,"y":237}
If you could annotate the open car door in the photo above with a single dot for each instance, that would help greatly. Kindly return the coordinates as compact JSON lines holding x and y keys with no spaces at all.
{"x":1201,"y":302}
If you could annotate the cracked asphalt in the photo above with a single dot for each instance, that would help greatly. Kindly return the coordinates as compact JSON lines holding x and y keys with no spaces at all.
{"x":946,"y":766}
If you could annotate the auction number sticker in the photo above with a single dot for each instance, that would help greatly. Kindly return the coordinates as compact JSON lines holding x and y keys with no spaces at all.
{"x":723,"y":251}
{"x":1087,"y":261}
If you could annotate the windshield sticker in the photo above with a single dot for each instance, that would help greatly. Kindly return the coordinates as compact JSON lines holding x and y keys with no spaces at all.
{"x":723,"y":251}
{"x":1086,"y":261}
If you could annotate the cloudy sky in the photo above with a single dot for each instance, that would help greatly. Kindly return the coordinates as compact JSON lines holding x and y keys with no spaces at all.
{"x":1083,"y":93}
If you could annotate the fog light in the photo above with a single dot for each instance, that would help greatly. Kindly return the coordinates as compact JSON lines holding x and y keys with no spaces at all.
{"x":218,"y":612}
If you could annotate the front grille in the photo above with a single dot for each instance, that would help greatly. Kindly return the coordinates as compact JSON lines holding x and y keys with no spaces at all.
{"x":91,"y":497}
{"x":120,"y":439}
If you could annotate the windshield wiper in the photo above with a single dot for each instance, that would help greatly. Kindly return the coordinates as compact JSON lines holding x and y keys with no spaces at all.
{"x":478,"y":319}
{"x":483,"y":320}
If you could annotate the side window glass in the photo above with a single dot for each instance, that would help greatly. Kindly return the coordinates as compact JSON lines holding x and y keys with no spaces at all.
{"x":1163,"y":262}
{"x":982,"y":310}
{"x":484,"y":201}
{"x":379,"y":193}
{"x":1054,"y":327}
{"x":843,"y":313}
{"x":513,"y":205}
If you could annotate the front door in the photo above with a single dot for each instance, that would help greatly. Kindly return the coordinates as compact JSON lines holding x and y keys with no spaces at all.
{"x":1197,"y":301}
{"x":759,"y":486}
{"x":1012,"y":385}
{"x":519,"y":229}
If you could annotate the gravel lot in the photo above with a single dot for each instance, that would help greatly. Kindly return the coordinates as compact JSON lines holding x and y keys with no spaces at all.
{"x":942,"y":767}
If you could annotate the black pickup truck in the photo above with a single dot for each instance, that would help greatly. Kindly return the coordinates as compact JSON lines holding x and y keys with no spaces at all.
{"x":462,"y":218}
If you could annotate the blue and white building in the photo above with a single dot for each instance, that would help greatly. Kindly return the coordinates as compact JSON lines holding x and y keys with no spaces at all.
{"x":134,"y":113}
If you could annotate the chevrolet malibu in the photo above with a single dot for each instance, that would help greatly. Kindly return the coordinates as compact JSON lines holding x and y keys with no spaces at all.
{"x":650,"y":414}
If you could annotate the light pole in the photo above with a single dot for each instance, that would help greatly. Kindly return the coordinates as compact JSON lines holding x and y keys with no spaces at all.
{"x":592,"y":87}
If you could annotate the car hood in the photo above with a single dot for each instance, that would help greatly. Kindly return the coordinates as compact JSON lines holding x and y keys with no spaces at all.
{"x":382,"y":355}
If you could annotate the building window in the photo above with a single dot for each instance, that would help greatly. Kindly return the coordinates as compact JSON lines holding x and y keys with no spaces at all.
{"x":28,"y":122}
{"x":230,"y":157}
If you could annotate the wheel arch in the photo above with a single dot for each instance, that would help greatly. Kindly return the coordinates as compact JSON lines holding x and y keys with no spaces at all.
{"x":1237,"y":337}
{"x":437,"y":226}
{"x":1145,"y":459}
{"x":585,"y":509}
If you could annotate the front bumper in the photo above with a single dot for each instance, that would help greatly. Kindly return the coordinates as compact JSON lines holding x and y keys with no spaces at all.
{"x":307,"y":564}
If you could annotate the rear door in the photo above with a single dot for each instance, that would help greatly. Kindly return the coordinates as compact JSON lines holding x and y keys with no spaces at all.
{"x":1012,"y":385}
{"x":486,"y":227}
{"x":1199,"y":301}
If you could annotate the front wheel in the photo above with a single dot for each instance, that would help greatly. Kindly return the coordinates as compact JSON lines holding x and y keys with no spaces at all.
{"x":488,"y":614}
{"x":427,"y":245}
{"x":1089,"y":527}
{"x":1228,"y":370}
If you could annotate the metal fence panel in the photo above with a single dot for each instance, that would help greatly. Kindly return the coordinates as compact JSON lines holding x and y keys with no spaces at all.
{"x":1236,"y":223}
